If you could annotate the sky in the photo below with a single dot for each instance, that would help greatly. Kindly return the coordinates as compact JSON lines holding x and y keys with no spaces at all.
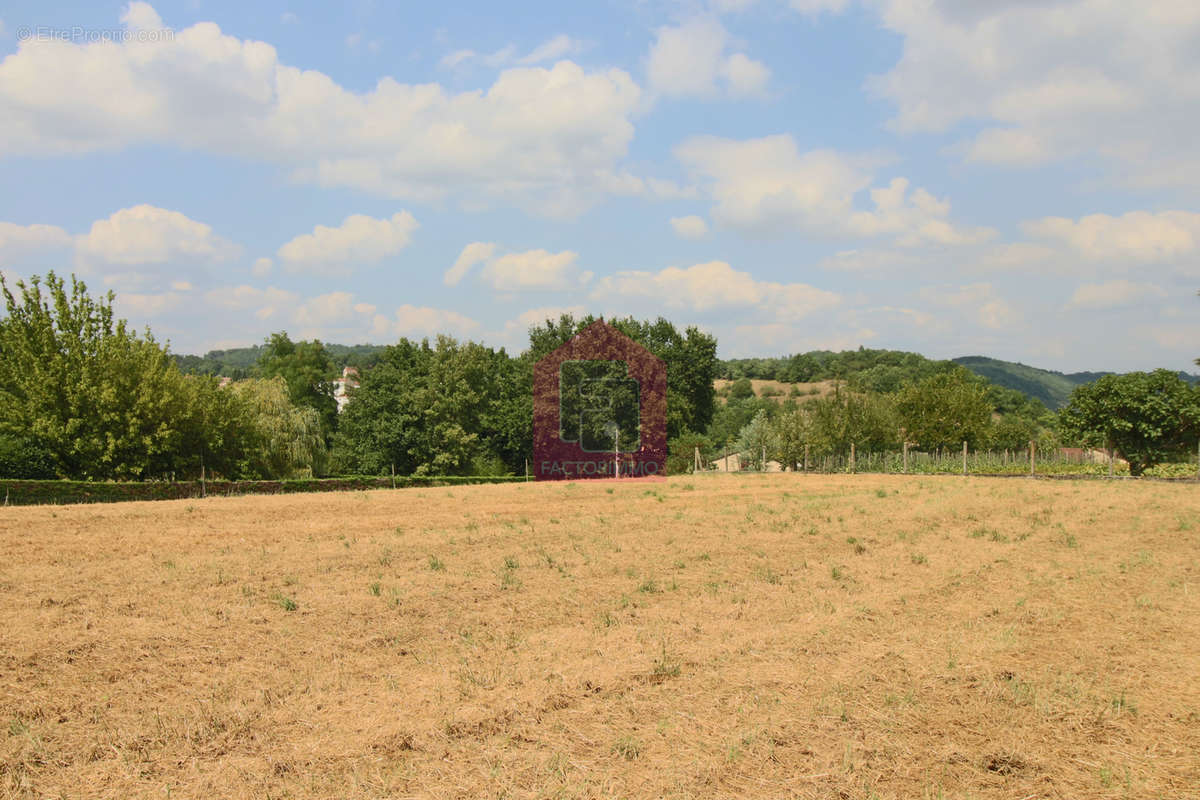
{"x":1011,"y":178}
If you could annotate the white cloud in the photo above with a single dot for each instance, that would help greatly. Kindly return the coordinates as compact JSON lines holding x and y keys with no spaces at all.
{"x":472,"y":254}
{"x":516,"y":272}
{"x":334,"y":307}
{"x":1053,"y":80}
{"x":145,"y":234}
{"x":691,"y":59}
{"x":262,"y":267}
{"x":1113,"y":294}
{"x":515,"y":334}
{"x":288,"y":18}
{"x":744,"y":76}
{"x":137,"y":304}
{"x":358,"y":240}
{"x":421,"y":321}
{"x":550,"y":50}
{"x":534,"y":269}
{"x":767,"y":186}
{"x":914,"y":219}
{"x":548,"y":138}
{"x":139,"y":16}
{"x":691,"y":227}
{"x":264,"y":303}
{"x":713,"y":286}
{"x":18,"y":242}
{"x":1139,"y":236}
{"x":979,"y":301}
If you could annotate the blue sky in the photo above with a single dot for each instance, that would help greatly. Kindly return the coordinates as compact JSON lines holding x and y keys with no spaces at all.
{"x":959,"y":177}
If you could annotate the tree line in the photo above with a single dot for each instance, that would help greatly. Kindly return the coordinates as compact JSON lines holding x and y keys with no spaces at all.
{"x":83,"y":396}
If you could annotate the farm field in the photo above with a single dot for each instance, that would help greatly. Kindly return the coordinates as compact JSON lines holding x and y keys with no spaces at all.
{"x":764,"y":636}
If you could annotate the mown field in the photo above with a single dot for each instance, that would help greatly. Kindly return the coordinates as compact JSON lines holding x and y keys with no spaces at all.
{"x":763,"y":636}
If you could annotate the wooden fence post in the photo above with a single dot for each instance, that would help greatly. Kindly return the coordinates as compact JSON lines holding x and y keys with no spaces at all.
{"x":852,"y":457}
{"x":764,"y":459}
{"x":964,"y":458}
{"x":905,"y":458}
{"x":806,"y":458}
{"x":1032,"y":457}
{"x":394,"y":472}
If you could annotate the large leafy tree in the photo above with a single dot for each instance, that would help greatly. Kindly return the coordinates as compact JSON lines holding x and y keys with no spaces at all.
{"x":793,"y":431}
{"x":1148,"y":417}
{"x":448,"y":409}
{"x":945,"y":409}
{"x":843,"y":418}
{"x":307,"y":369}
{"x":77,"y":385}
{"x":690,"y":357}
{"x":276,"y":438}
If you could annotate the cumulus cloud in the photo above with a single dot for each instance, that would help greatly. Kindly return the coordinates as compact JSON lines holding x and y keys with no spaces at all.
{"x":146,"y":234}
{"x":358,"y":240}
{"x":472,"y":254}
{"x":269,"y":303}
{"x":421,"y":321}
{"x":715,"y":286}
{"x":20,"y":242}
{"x":334,"y":307}
{"x":1113,"y":294}
{"x":692,"y":60}
{"x":768,"y":186}
{"x":1053,"y":80}
{"x":1137,"y":237}
{"x":915,"y":219}
{"x":691,"y":227}
{"x":516,"y":272}
{"x":549,"y":138}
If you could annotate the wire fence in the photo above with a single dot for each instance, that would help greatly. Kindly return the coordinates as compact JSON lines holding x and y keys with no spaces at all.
{"x":1064,"y":461}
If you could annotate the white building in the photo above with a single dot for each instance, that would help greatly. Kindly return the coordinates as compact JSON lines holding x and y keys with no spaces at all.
{"x":342,"y":385}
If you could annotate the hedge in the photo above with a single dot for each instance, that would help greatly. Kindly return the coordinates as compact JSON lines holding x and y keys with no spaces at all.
{"x":31,"y":492}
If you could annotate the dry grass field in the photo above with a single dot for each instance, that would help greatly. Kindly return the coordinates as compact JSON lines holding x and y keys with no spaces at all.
{"x":780,"y":390}
{"x":761,"y":636}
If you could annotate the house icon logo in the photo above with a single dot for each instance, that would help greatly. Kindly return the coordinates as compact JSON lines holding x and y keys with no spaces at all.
{"x":599,"y":408}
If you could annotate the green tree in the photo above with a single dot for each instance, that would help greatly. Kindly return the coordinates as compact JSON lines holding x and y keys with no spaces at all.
{"x":741,"y":389}
{"x":690,"y":358}
{"x":944,"y":410}
{"x":1148,"y":417}
{"x":76,"y":385}
{"x":753,"y":440}
{"x":277,"y":439}
{"x":837,"y":420}
{"x":307,"y":369}
{"x":451,"y":409}
{"x":793,"y":430}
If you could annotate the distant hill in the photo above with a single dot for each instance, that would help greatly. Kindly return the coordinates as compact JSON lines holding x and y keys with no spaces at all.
{"x":1052,"y":388}
{"x":239,"y":362}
